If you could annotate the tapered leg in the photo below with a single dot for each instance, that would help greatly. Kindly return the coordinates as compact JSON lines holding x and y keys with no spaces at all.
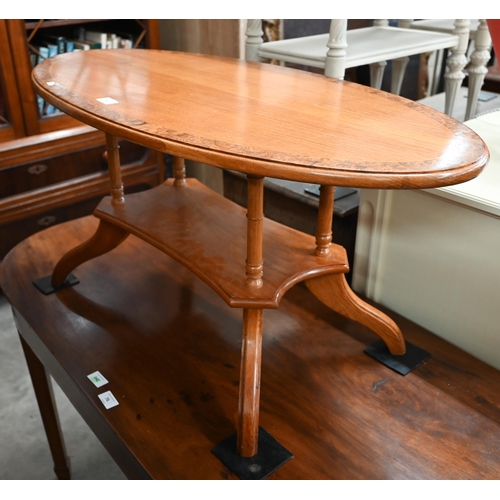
{"x":106,"y":238}
{"x":377,"y":74}
{"x":248,"y":407}
{"x":456,"y":63}
{"x":334,"y":292}
{"x":45,"y":398}
{"x":398,"y":72}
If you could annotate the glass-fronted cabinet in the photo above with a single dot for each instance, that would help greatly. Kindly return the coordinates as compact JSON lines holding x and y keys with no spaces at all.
{"x":11,"y":118}
{"x":52,"y":167}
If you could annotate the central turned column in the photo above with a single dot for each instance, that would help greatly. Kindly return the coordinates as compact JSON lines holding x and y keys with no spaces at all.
{"x":251,"y":350}
{"x":255,"y":223}
{"x":179,"y":172}
{"x":115,"y":172}
{"x":325,"y":219}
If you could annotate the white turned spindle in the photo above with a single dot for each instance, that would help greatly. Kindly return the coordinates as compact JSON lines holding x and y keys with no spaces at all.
{"x":456,"y":63}
{"x":254,"y":39}
{"x":398,"y":73}
{"x":377,"y":69}
{"x":477,"y":67}
{"x":377,"y":74}
{"x":336,"y":55}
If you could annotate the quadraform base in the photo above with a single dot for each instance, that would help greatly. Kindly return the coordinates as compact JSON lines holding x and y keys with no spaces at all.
{"x":45,"y":284}
{"x":403,"y":364}
{"x":270,"y":456}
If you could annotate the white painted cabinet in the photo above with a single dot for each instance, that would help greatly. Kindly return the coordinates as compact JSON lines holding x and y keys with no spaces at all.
{"x":434,"y":255}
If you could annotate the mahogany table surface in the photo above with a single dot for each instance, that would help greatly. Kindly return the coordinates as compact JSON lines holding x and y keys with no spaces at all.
{"x":262,"y":119}
{"x":170,"y":348}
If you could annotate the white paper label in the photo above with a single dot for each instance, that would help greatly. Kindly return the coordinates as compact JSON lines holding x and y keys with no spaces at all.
{"x":51,"y":84}
{"x":108,"y":400}
{"x":97,"y":379}
{"x":107,"y":100}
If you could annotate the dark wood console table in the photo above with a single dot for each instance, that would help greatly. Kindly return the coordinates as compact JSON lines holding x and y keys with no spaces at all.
{"x":170,"y":349}
{"x":264,"y":121}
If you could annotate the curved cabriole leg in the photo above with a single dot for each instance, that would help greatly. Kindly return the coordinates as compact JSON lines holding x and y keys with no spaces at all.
{"x":106,"y":238}
{"x":335,"y":293}
{"x":249,"y":394}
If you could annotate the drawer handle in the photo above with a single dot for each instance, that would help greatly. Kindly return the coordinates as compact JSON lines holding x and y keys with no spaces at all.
{"x":46,"y":221}
{"x":37,"y":169}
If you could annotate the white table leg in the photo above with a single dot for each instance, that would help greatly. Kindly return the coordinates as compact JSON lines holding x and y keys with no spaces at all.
{"x":477,"y":68}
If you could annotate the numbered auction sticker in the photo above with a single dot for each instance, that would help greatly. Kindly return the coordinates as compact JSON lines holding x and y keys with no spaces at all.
{"x":108,"y":400}
{"x":107,"y":100}
{"x":97,"y":379}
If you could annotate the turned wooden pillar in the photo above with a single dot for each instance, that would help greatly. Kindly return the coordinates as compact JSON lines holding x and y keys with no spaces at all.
{"x":251,"y":350}
{"x":115,"y":173}
{"x":179,"y":172}
{"x":325,"y":218}
{"x":255,"y":225}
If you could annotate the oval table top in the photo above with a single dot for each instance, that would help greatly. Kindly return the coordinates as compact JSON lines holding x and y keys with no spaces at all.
{"x":262,"y":119}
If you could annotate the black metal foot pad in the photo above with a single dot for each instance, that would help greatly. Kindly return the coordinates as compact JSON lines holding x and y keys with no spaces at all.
{"x":45,"y":284}
{"x":270,"y":456}
{"x":404,"y":364}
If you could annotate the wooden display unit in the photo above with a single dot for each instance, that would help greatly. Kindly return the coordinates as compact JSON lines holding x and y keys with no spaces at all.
{"x":53,"y":167}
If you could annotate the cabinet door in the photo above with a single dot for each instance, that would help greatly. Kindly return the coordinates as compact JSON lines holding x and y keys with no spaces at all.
{"x":11,"y":119}
{"x":30,"y":40}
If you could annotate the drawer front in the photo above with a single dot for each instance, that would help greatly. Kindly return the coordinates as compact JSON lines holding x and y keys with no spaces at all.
{"x":13,"y":233}
{"x":23,"y":178}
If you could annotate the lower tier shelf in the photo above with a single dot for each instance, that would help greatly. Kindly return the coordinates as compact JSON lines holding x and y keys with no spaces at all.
{"x":207,"y":233}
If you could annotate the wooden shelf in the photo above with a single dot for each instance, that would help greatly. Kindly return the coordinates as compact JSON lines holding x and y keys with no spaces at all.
{"x":59,"y":22}
{"x":208,"y":234}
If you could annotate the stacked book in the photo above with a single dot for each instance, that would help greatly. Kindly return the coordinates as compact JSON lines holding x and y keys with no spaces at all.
{"x":50,"y":45}
{"x":88,"y":39}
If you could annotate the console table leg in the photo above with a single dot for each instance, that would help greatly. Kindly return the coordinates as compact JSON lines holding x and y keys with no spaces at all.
{"x":45,"y":398}
{"x":248,"y":407}
{"x":334,"y":292}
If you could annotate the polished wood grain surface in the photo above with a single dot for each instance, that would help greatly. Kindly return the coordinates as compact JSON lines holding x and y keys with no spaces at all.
{"x":262,"y":119}
{"x":171,"y":351}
